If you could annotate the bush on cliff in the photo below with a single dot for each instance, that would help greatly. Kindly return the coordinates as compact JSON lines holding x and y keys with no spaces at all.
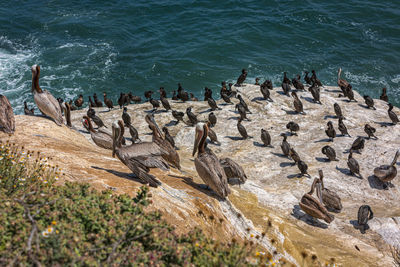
{"x":72,"y":224}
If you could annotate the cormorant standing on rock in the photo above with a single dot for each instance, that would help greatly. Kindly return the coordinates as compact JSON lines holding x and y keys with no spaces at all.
{"x":293,"y":127}
{"x":369,"y":102}
{"x":28,"y":111}
{"x":358,"y":144}
{"x":154,"y":103}
{"x":91,"y":103}
{"x":207,"y":93}
{"x":384,"y":96}
{"x":123,"y":100}
{"x":298,"y":105}
{"x":307,"y":79}
{"x":265,"y":92}
{"x":163,"y":93}
{"x":212,"y":103}
{"x":314,"y":78}
{"x":192,"y":97}
{"x":192,"y":118}
{"x":98,"y":103}
{"x":79,"y":101}
{"x":369,"y":130}
{"x":126,"y":117}
{"x":286,"y":79}
{"x":257,"y":83}
{"x":285,"y":145}
{"x":353,"y":165}
{"x":174,"y":96}
{"x":108,"y":102}
{"x":182,"y":94}
{"x":178,"y":115}
{"x":342,"y":127}
{"x":242,"y":111}
{"x":286,"y":88}
{"x":212,"y":119}
{"x":338,"y":111}
{"x":393,"y":117}
{"x":165,"y":103}
{"x":330,"y":132}
{"x":241,"y":78}
{"x":315,"y":92}
{"x":364,"y":214}
{"x":330,"y":153}
{"x":168,"y":137}
{"x":266,"y":138}
{"x":243,"y":103}
{"x":242,"y":130}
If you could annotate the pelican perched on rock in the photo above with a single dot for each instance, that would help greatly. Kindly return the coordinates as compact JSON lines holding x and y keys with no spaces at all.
{"x":386,"y":173}
{"x":44,"y":100}
{"x":139,"y":158}
{"x":100,"y":137}
{"x":170,"y":155}
{"x":330,"y":199}
{"x":343,"y":84}
{"x":207,"y":164}
{"x":313,"y":206}
{"x":7,"y":120}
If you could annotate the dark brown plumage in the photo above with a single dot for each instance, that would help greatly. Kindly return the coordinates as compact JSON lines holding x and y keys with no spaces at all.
{"x":241,"y":78}
{"x":108,"y":102}
{"x":370,"y":131}
{"x":330,"y":132}
{"x":384,"y":96}
{"x":79,"y":101}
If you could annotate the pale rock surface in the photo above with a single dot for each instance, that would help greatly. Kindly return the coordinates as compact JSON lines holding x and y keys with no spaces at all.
{"x":268,"y":201}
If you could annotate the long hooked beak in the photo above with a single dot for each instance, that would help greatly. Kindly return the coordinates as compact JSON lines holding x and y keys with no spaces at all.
{"x":198,"y":136}
{"x":396,"y":157}
{"x":319,"y":192}
{"x":114,"y":138}
{"x":150,"y":120}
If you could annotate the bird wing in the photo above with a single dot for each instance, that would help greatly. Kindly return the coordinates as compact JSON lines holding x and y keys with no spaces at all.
{"x":49,"y":106}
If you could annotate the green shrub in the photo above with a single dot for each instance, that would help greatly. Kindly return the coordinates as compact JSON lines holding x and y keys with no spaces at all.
{"x":72,"y":224}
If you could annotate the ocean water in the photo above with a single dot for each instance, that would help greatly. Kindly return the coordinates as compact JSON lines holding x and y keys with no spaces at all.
{"x":133,"y":46}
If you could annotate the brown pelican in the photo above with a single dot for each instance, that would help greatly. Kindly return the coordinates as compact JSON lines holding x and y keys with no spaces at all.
{"x":369,"y":102}
{"x":384,"y":96}
{"x":370,"y":131}
{"x":241,"y":78}
{"x":393,"y":117}
{"x":139,"y":158}
{"x":343,"y":84}
{"x":298,"y":105}
{"x":364,"y":214}
{"x":233,"y":170}
{"x":28,"y":111}
{"x":353,"y":165}
{"x":330,"y":199}
{"x":313,"y":206}
{"x":171,"y":156}
{"x":44,"y":100}
{"x":386,"y":173}
{"x":330,"y":153}
{"x":7,"y":120}
{"x":100,"y":137}
{"x":207,"y":164}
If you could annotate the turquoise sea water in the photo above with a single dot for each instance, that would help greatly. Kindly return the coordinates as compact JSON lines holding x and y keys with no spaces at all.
{"x":121,"y":46}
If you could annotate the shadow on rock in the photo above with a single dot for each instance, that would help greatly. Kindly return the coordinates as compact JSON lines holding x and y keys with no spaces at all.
{"x":300,"y":215}
{"x":125,"y":175}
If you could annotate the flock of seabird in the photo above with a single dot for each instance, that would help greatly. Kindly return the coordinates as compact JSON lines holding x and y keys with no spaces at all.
{"x":162,"y":153}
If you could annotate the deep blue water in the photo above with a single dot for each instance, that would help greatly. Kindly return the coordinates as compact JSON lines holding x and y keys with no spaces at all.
{"x":116,"y":46}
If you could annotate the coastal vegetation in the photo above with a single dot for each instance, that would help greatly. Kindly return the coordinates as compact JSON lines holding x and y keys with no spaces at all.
{"x":47,"y":221}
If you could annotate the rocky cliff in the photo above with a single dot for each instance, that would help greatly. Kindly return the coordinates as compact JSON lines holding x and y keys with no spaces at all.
{"x":268,"y":201}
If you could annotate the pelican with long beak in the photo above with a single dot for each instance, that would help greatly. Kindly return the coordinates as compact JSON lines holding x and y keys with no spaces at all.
{"x":386,"y":173}
{"x":44,"y":100}
{"x":207,"y":164}
{"x":139,"y":158}
{"x":170,"y":155}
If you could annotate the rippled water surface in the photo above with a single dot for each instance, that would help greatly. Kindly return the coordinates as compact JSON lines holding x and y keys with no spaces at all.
{"x":113,"y":46}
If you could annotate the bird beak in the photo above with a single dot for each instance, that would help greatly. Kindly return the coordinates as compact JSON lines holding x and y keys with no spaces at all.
{"x":114,"y":139}
{"x":319,"y":191}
